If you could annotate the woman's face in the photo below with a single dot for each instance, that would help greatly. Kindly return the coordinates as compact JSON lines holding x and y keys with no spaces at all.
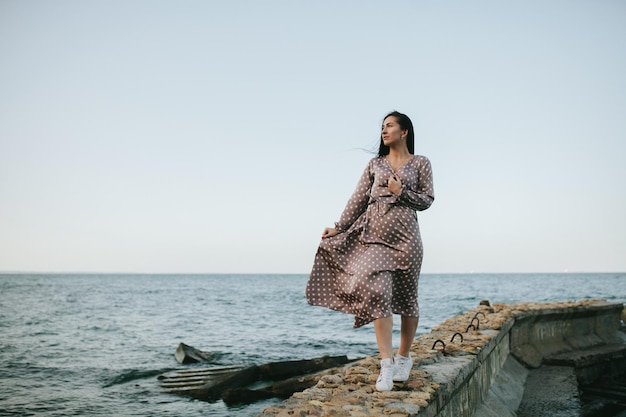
{"x":392,"y":132}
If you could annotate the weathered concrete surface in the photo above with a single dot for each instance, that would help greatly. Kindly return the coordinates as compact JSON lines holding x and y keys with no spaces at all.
{"x":469,"y":378}
{"x":591,"y":363}
{"x":506,"y":392}
{"x":551,"y":391}
{"x":562,"y":329}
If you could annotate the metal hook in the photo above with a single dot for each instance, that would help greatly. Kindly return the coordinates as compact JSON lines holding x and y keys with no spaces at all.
{"x":454,"y":335}
{"x":477,"y":322}
{"x":442,"y":343}
{"x":480,"y":312}
{"x":468,"y":327}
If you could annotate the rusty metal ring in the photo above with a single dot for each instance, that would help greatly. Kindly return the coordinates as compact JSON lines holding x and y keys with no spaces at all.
{"x":477,"y":322}
{"x":439,"y":341}
{"x":480,"y":312}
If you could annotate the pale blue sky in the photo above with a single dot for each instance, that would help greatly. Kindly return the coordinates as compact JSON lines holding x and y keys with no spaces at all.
{"x":219,"y":136}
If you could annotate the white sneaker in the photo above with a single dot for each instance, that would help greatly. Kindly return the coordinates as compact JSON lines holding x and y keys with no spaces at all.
{"x":385,"y":380}
{"x":403,"y":367}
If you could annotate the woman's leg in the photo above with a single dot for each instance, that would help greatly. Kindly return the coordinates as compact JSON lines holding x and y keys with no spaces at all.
{"x":384,"y":330}
{"x":408,"y":327}
{"x":388,"y":367}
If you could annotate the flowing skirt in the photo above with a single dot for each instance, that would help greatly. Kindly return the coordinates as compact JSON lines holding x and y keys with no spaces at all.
{"x":372,"y":269}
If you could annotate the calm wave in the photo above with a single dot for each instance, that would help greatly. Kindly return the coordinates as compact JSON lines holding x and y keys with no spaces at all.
{"x":75,"y":345}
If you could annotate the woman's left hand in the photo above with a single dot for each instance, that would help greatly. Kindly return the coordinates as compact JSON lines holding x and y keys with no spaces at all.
{"x":394,"y":185}
{"x":329,"y":232}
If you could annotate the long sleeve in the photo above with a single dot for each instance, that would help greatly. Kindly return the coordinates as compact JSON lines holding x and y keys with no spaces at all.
{"x":422,"y":197}
{"x":358,"y":202}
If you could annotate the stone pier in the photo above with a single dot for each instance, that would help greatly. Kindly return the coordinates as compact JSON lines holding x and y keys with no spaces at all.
{"x":477,"y":364}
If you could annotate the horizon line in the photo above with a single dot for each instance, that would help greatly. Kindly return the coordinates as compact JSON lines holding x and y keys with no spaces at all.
{"x":23,"y":272}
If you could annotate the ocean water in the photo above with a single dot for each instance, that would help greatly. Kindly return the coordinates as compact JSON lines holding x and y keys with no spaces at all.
{"x":93,"y":345}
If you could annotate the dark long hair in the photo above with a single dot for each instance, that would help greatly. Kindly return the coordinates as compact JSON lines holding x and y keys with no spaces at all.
{"x":405,"y":124}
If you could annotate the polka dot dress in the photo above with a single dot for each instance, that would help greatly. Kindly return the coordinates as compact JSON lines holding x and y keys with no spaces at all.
{"x":371,"y":268}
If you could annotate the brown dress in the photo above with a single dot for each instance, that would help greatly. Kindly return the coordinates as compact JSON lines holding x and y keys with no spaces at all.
{"x":371,"y":268}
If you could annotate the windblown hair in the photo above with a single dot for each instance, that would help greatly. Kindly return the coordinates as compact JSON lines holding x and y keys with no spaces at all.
{"x":405,"y":124}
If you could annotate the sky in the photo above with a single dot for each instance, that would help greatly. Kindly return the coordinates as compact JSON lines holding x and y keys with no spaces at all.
{"x":222,"y":137}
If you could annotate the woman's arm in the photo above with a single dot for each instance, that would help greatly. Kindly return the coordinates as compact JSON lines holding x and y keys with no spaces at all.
{"x":358,"y":202}
{"x":421,"y":198}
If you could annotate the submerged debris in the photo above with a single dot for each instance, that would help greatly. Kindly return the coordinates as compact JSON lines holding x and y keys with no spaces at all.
{"x":189,"y":354}
{"x":231,"y":383}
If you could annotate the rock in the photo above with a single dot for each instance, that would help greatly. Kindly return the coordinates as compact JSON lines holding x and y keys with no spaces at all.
{"x":330,"y":381}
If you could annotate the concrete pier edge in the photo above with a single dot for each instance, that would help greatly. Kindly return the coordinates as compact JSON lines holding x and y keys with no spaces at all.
{"x":482,"y":376}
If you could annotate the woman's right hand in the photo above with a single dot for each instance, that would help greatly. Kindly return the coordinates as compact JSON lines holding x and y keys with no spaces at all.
{"x":329,"y":232}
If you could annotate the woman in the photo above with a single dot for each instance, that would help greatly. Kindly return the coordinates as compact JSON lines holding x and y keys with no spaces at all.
{"x":369,"y":263}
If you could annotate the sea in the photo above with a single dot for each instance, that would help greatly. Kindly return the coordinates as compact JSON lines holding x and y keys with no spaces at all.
{"x":94,"y":344}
